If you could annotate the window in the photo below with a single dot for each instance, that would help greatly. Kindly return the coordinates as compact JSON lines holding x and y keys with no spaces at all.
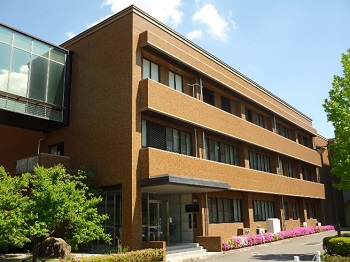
{"x":285,"y":132}
{"x":150,"y":70}
{"x":306,"y":172}
{"x":165,"y":138}
{"x":208,"y":96}
{"x":281,"y":130}
{"x":111,"y":205}
{"x":175,"y":81}
{"x":226,"y":104}
{"x":289,"y":170}
{"x":259,"y":162}
{"x":302,"y":140}
{"x":249,"y":115}
{"x":295,"y":212}
{"x":280,"y":167}
{"x":313,"y":210}
{"x":286,"y":212}
{"x":307,"y":210}
{"x":221,"y":152}
{"x":261,"y":121}
{"x":224,"y":210}
{"x":263,"y":210}
{"x":57,"y":149}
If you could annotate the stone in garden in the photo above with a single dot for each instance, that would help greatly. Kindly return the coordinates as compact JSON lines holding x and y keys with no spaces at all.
{"x":54,"y":248}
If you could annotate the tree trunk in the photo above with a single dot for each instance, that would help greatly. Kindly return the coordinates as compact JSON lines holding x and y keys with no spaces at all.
{"x":36,"y":246}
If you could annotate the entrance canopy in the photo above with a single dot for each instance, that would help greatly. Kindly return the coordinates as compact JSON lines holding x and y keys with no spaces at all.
{"x":176,"y":184}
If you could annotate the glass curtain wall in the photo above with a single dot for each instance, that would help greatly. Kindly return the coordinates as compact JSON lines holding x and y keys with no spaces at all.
{"x":32,"y":75}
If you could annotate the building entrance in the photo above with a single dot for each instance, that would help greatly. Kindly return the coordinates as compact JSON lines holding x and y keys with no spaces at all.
{"x":167,"y":218}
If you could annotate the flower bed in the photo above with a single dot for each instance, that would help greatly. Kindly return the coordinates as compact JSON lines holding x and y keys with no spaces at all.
{"x":251,"y":240}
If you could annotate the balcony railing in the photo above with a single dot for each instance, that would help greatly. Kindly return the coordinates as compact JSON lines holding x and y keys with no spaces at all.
{"x":47,"y":160}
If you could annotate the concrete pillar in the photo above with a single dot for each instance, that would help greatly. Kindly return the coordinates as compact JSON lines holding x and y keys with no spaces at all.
{"x":247,"y":210}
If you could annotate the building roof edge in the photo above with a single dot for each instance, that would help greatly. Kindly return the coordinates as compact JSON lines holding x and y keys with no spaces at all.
{"x":140,"y":12}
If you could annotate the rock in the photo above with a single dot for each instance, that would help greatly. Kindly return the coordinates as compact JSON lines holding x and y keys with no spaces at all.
{"x":54,"y":248}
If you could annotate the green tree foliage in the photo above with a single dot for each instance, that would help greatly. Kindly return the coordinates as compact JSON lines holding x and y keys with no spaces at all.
{"x":13,"y":208}
{"x":337,"y":107}
{"x":49,"y":202}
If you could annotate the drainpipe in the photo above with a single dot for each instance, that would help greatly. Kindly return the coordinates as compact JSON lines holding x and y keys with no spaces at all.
{"x":283,"y":217}
{"x":41,"y":139}
{"x":200,"y":87}
{"x":206,"y":215}
{"x":196,"y":142}
{"x":201,"y":98}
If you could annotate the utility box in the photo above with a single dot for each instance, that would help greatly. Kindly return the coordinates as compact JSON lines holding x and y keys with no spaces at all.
{"x":273,"y":225}
{"x":243,"y":231}
{"x":260,"y":230}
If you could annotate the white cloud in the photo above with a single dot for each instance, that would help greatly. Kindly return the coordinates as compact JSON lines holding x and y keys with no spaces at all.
{"x":18,"y":80}
{"x":70,"y":34}
{"x":234,"y":24}
{"x":166,"y":11}
{"x":217,"y":25}
{"x":195,"y":34}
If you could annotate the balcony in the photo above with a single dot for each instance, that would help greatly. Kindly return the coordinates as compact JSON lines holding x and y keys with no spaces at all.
{"x":154,"y":162}
{"x":46,"y":160}
{"x":207,"y":65}
{"x":159,"y":98}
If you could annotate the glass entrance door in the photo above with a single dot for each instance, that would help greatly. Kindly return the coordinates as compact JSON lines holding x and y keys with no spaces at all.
{"x":155,"y":224}
{"x":155,"y":220}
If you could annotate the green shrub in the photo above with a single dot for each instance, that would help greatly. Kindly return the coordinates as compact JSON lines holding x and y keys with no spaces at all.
{"x":335,"y":258}
{"x":337,"y":245}
{"x":145,"y":255}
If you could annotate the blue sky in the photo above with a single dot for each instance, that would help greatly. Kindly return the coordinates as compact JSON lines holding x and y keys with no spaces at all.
{"x":292,"y":47}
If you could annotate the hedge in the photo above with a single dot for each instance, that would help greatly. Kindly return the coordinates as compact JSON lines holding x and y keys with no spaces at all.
{"x":145,"y":255}
{"x":337,"y":245}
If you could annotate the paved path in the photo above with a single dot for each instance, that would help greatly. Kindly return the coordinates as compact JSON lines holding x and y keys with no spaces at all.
{"x":305,"y":247}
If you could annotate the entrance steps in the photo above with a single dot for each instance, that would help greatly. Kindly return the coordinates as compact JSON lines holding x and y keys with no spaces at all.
{"x":185,"y":251}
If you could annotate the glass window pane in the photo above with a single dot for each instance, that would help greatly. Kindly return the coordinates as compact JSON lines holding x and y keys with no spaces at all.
{"x":41,"y":49}
{"x":215,"y":210}
{"x":38,"y":78}
{"x":56,"y":84}
{"x":217,"y":148}
{"x":5,"y":52}
{"x":145,"y":69}
{"x":169,"y":139}
{"x":188,"y":144}
{"x":171,"y":80}
{"x":144,"y":133}
{"x":58,"y":56}
{"x":232,"y":160}
{"x":19,"y":72}
{"x":5,"y":35}
{"x":211,"y":149}
{"x":178,"y":82}
{"x":227,"y":211}
{"x":220,"y":210}
{"x":183,"y":142}
{"x":227,"y":154}
{"x":23,"y":42}
{"x":176,"y":140}
{"x":154,"y":72}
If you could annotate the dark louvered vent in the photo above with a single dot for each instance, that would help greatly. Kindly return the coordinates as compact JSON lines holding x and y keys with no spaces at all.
{"x":156,"y":135}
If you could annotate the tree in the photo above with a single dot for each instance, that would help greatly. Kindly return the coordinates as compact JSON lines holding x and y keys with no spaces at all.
{"x":337,"y":108}
{"x":47,"y":203}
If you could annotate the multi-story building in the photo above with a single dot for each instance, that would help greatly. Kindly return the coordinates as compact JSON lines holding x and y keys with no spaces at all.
{"x":183,"y":144}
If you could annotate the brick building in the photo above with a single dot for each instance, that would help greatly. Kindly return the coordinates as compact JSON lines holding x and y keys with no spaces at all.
{"x":183,"y":144}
